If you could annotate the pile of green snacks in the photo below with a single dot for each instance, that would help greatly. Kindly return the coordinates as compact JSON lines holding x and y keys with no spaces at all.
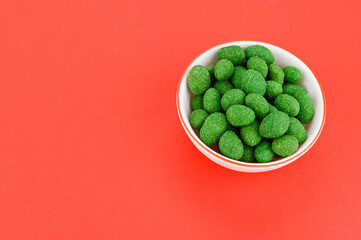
{"x":252,"y":108}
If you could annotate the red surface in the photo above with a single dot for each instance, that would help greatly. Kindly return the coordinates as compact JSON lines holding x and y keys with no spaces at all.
{"x":90,"y":142}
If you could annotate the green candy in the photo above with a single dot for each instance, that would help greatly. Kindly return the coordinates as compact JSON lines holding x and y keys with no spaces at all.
{"x":288,"y":104}
{"x":197,"y":118}
{"x":263,"y":152}
{"x":250,"y":134}
{"x":232,"y":97}
{"x":292,"y":74}
{"x":247,"y":154}
{"x":285,"y":145}
{"x":223,"y":87}
{"x":212,"y":101}
{"x":273,"y":89}
{"x":212,"y":129}
{"x":292,"y":89}
{"x":235,"y":54}
{"x":258,"y":104}
{"x":297,"y":130}
{"x":306,"y":107}
{"x":240,"y":115}
{"x":253,"y":82}
{"x":274,"y":125}
{"x":276,"y":73}
{"x":197,"y":102}
{"x":230,"y":145}
{"x":223,"y":70}
{"x":198,"y":80}
{"x":210,"y":69}
{"x":272,"y":109}
{"x":237,"y":75}
{"x":260,"y":51}
{"x":258,"y":64}
{"x":307,"y":110}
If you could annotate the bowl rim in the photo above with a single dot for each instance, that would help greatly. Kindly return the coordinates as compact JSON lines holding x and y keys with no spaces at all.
{"x":239,"y":163}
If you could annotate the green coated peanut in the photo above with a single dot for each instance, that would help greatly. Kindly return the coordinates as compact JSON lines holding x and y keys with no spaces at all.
{"x":213,"y":127}
{"x":263,"y":152}
{"x":258,"y":64}
{"x":258,"y":104}
{"x":235,"y":54}
{"x":285,"y":145}
{"x":223,"y":70}
{"x":253,"y":82}
{"x":212,"y":101}
{"x":230,"y":145}
{"x":240,"y":115}
{"x":297,"y":130}
{"x":198,"y":80}
{"x":274,"y":125}
{"x":288,"y":104}
{"x":260,"y":51}
{"x":197,"y":118}
{"x":250,"y":134}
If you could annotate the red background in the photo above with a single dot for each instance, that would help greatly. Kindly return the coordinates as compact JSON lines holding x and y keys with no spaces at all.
{"x":90,"y":142}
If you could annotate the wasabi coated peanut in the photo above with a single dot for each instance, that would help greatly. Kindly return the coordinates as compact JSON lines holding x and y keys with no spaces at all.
{"x":272,"y":108}
{"x":274,"y":125}
{"x":250,"y":134}
{"x":292,"y":89}
{"x":232,"y":97}
{"x":292,"y":74}
{"x":198,"y":80}
{"x":236,"y":77}
{"x":223,"y":87}
{"x":273,"y":89}
{"x":223,"y":70}
{"x":306,"y":106}
{"x":247,"y":154}
{"x":258,"y":104}
{"x":197,"y":118}
{"x":258,"y":64}
{"x":253,"y":82}
{"x":288,"y":104}
{"x":235,"y":54}
{"x":263,"y":152}
{"x":285,"y":145}
{"x":230,"y":145}
{"x":197,"y":102}
{"x":297,"y":130}
{"x":212,"y":101}
{"x":276,"y":73}
{"x":212,"y":129}
{"x":240,"y":115}
{"x":260,"y":51}
{"x":210,"y":69}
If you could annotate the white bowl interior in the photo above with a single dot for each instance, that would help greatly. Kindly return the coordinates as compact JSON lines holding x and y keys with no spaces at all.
{"x":282,"y":58}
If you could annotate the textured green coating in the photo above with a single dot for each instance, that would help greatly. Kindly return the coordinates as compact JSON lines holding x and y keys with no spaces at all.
{"x":260,"y":51}
{"x":274,"y":125}
{"x":306,"y":106}
{"x":292,"y":74}
{"x":197,"y":102}
{"x":212,"y":129}
{"x":292,"y":89}
{"x":285,"y":145}
{"x":250,"y":134}
{"x":247,"y":154}
{"x":272,"y":109}
{"x":276,"y":73}
{"x":237,"y":75}
{"x":232,"y":97}
{"x":263,"y":152}
{"x":223,"y":87}
{"x":240,"y":115}
{"x":258,"y":104}
{"x":223,"y":70}
{"x":273,"y":89}
{"x":197,"y":118}
{"x":230,"y":145}
{"x":198,"y":80}
{"x":258,"y":64}
{"x":288,"y":104}
{"x":210,"y":69}
{"x":212,"y":101}
{"x":253,"y":82}
{"x":234,"y":53}
{"x":297,"y":130}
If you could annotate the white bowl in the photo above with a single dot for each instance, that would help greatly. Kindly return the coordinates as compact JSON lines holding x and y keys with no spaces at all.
{"x":282,"y":58}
